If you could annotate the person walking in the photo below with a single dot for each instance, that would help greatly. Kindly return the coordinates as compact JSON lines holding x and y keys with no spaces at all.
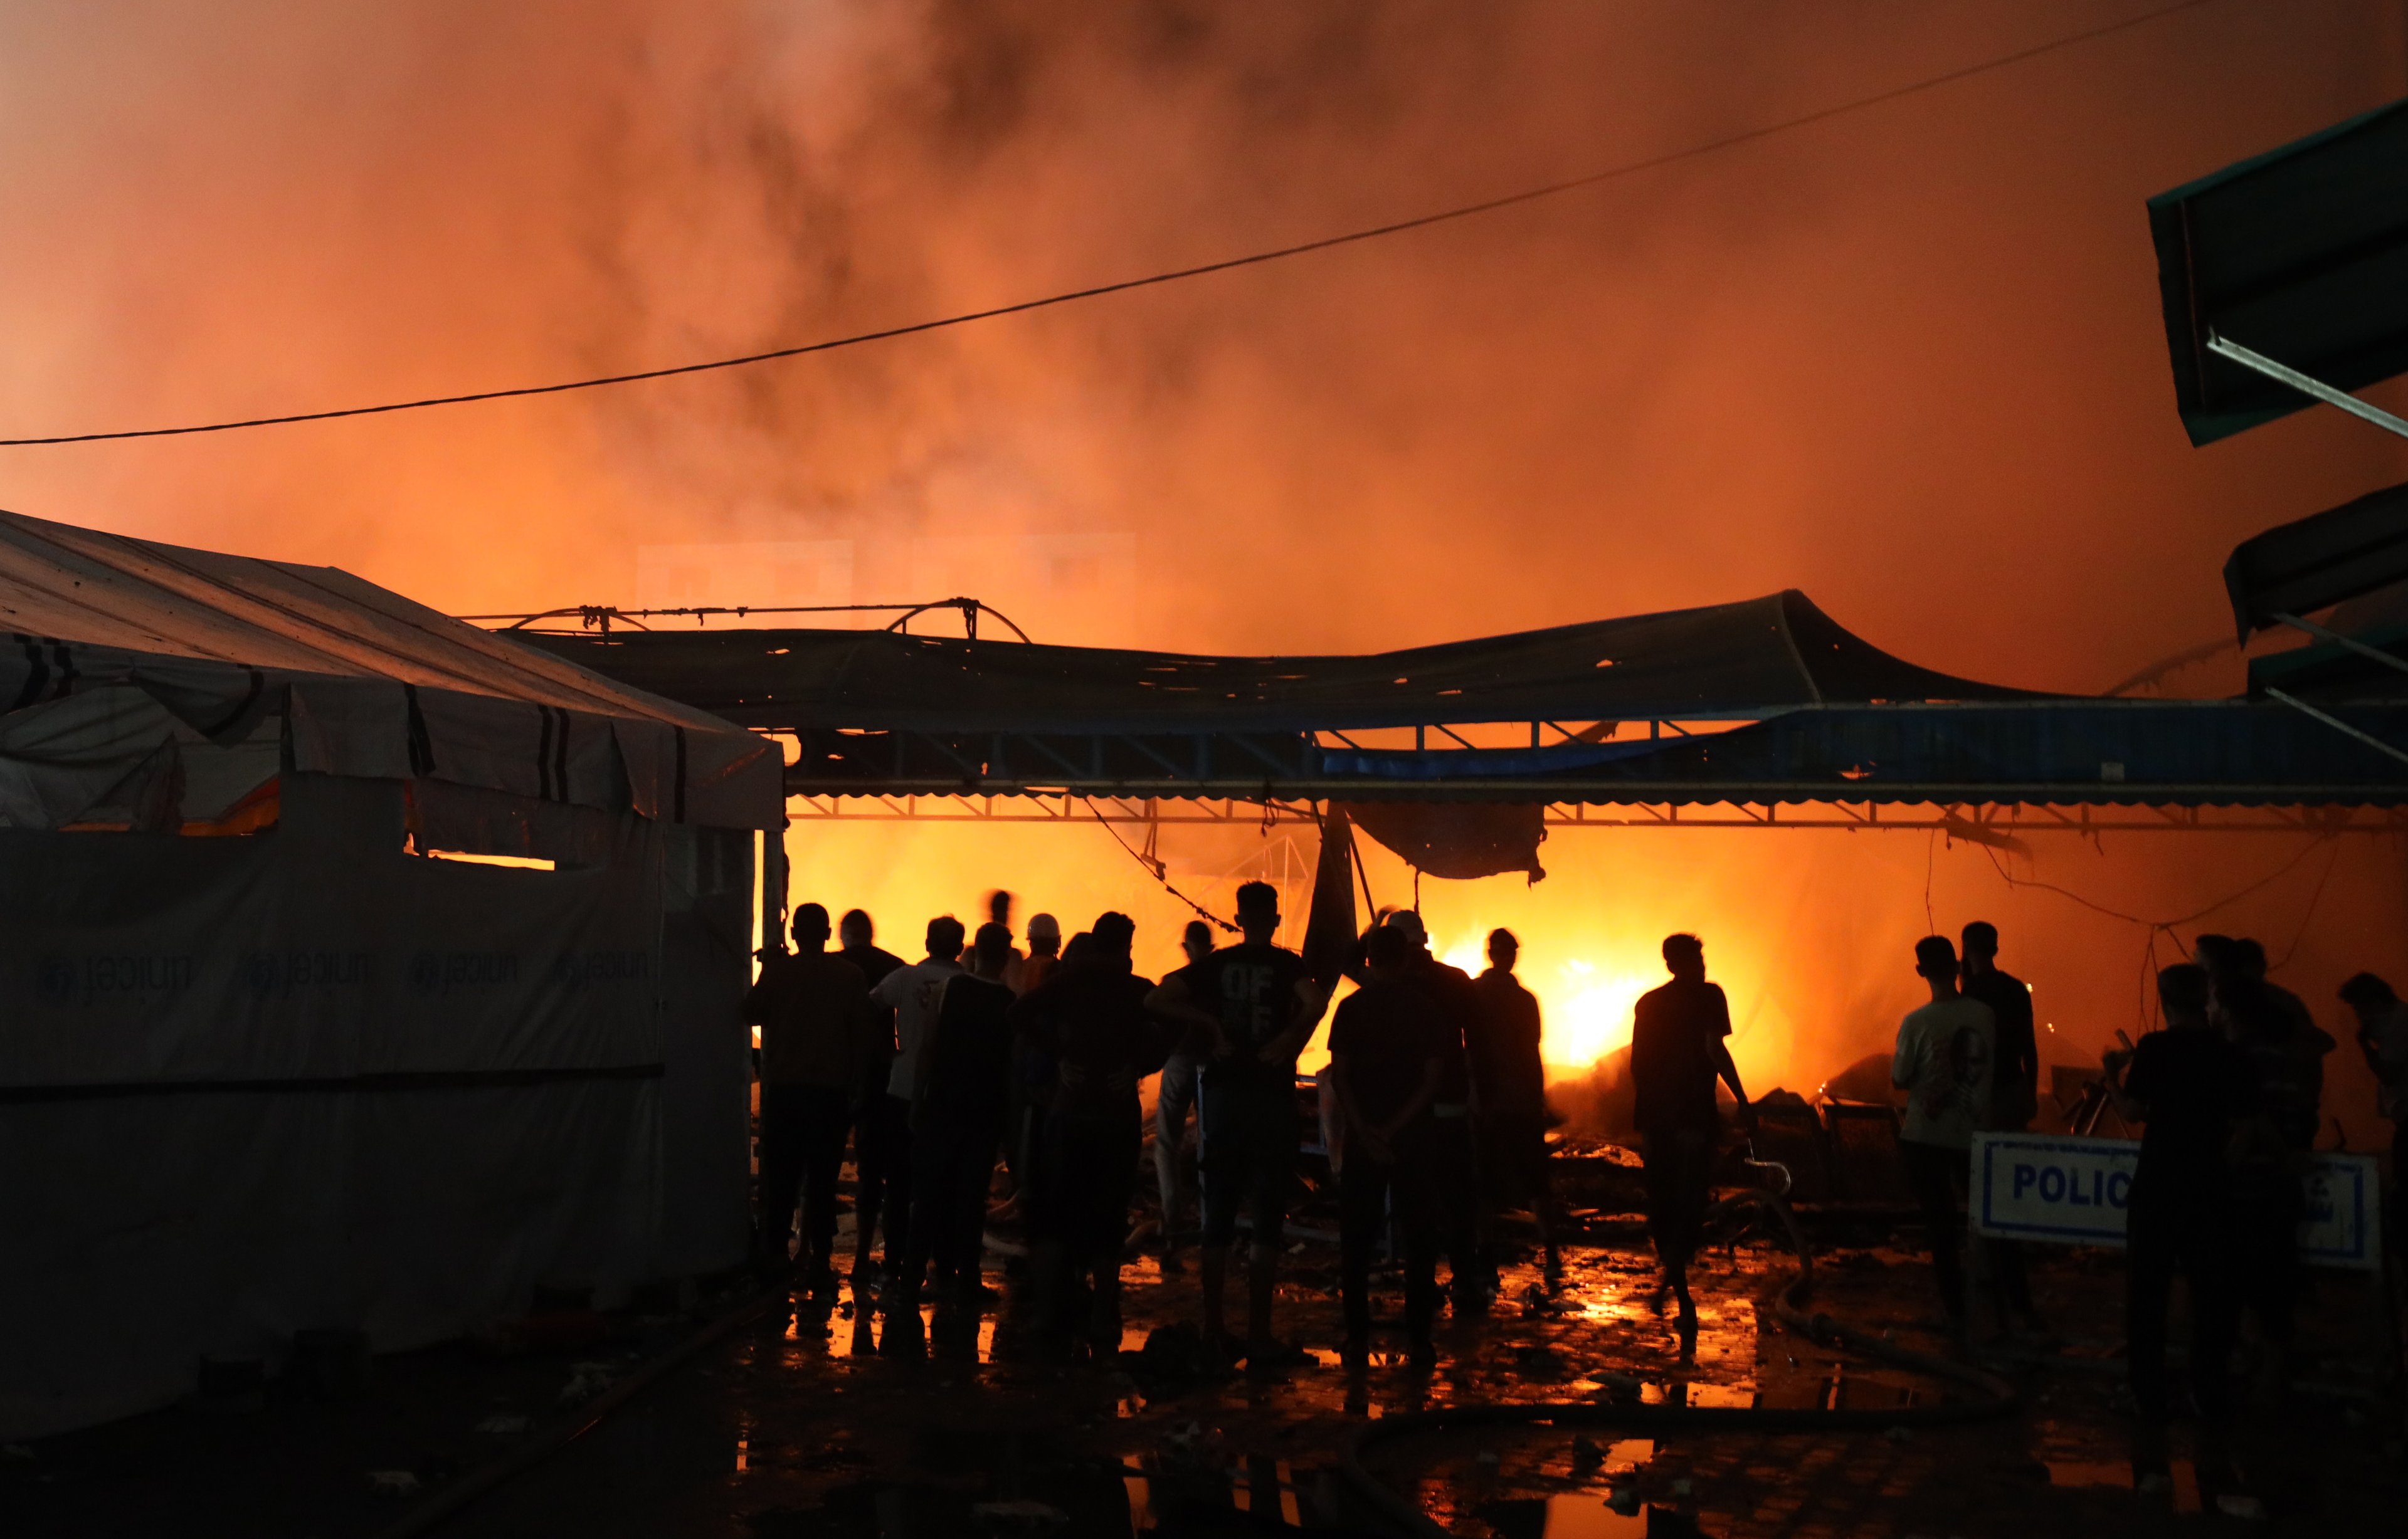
{"x":1509,"y":1082}
{"x":1944,"y":1061}
{"x":1388,"y":1045}
{"x":2194,"y":1094}
{"x":914,"y":994}
{"x":1679,"y":1046}
{"x":813,"y":1011}
{"x":2014,"y":1093}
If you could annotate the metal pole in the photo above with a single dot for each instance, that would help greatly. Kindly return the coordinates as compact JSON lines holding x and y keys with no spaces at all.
{"x":2316,"y":388}
{"x":2337,"y":724}
{"x":2352,"y":643}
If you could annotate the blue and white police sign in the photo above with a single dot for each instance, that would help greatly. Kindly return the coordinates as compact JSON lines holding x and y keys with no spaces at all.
{"x":2074,"y":1190}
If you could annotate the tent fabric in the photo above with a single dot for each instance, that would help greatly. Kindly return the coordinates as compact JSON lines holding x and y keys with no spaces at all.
{"x":166,"y":601}
{"x":257,"y":1086}
{"x":1739,"y":660}
{"x":2315,"y":562}
{"x":2301,"y":254}
{"x":366,"y":682}
{"x":1457,"y":841}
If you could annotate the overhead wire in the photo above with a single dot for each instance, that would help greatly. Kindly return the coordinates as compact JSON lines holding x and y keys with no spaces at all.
{"x":1154,"y":866}
{"x":1325,"y":243}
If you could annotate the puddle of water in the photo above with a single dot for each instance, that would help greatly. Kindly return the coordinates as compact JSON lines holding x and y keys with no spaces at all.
{"x":1582,"y":1515}
{"x":1738,"y":1395}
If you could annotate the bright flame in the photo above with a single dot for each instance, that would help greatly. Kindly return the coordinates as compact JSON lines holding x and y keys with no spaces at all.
{"x":1583,"y":1009}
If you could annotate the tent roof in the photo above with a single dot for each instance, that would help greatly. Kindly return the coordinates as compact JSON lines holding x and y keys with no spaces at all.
{"x":1724,"y":661}
{"x":2301,"y":254}
{"x":61,"y":583}
{"x":2313,"y":562}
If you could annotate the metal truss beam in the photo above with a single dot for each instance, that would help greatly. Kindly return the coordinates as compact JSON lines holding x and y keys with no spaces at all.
{"x":1975,"y":822}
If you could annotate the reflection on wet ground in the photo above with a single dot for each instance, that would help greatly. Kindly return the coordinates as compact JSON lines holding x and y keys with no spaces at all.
{"x":837,"y":1421}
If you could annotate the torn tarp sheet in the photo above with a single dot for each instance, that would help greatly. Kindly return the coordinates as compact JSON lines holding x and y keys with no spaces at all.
{"x":1460,"y":840}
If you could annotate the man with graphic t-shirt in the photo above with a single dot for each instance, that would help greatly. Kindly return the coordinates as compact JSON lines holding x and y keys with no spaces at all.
{"x":1944,"y":1062}
{"x":913,"y":994}
{"x":1259,"y":1008}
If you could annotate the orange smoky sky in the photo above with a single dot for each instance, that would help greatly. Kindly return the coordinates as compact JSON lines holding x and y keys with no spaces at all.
{"x":1908,"y":359}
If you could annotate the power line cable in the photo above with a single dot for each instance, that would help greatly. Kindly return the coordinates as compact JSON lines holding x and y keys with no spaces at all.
{"x":1325,"y":243}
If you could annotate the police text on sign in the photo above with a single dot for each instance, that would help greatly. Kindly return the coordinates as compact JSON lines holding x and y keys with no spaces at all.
{"x":2074,"y":1190}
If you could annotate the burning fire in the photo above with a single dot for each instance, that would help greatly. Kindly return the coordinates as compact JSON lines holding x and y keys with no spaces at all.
{"x":1584,"y":1006}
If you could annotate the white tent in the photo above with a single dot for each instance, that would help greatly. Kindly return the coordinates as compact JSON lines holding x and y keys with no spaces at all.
{"x":268,"y":1065}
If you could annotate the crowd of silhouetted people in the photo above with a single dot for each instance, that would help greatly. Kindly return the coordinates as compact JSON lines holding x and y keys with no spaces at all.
{"x":1433,"y":1115}
{"x":1432,"y":1112}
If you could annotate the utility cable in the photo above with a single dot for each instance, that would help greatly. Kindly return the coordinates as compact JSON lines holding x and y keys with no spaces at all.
{"x":1418,"y":221}
{"x":1154,"y":867}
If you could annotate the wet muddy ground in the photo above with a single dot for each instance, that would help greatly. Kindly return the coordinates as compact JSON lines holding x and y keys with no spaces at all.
{"x":840,"y":1424}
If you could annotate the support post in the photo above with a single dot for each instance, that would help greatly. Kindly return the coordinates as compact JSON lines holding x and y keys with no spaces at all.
{"x":773,"y":887}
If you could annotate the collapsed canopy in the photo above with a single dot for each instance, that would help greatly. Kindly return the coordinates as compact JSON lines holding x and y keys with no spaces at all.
{"x":1724,"y":661}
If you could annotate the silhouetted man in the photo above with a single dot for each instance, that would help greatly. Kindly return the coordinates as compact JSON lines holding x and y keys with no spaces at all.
{"x":813,"y":1011}
{"x":2194,"y":1092}
{"x":1510,"y":1085}
{"x":914,"y":994}
{"x":1943,"y":1062}
{"x":2286,"y":1052}
{"x":857,"y":935}
{"x":1388,"y":1045}
{"x":1678,"y":1049}
{"x":2014,"y":1089}
{"x":2383,"y":1038}
{"x":1174,"y":1093}
{"x":1089,"y":1020}
{"x":1257,"y":1007}
{"x":1456,"y":1159}
{"x":960,"y":1087}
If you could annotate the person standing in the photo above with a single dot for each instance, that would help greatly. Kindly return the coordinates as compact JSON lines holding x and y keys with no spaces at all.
{"x":1174,"y":1093}
{"x":914,"y":994}
{"x":1089,"y":1020}
{"x":1044,"y":954}
{"x":1256,"y":1006}
{"x":1679,"y":1046}
{"x":813,"y":1011}
{"x":1509,"y":1083}
{"x":2192,"y":1091}
{"x":2383,"y":1038}
{"x":2285,"y":1051}
{"x":2014,"y":1092}
{"x":1388,"y":1045}
{"x":1944,"y":1062}
{"x":959,"y":1089}
{"x":1455,"y":1160}
{"x":857,"y":935}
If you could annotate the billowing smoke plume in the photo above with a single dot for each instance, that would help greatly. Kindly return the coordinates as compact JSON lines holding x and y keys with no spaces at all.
{"x":1908,"y":359}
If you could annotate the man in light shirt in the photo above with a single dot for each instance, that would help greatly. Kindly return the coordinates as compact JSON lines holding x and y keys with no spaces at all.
{"x":1944,"y":1062}
{"x":914,"y":993}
